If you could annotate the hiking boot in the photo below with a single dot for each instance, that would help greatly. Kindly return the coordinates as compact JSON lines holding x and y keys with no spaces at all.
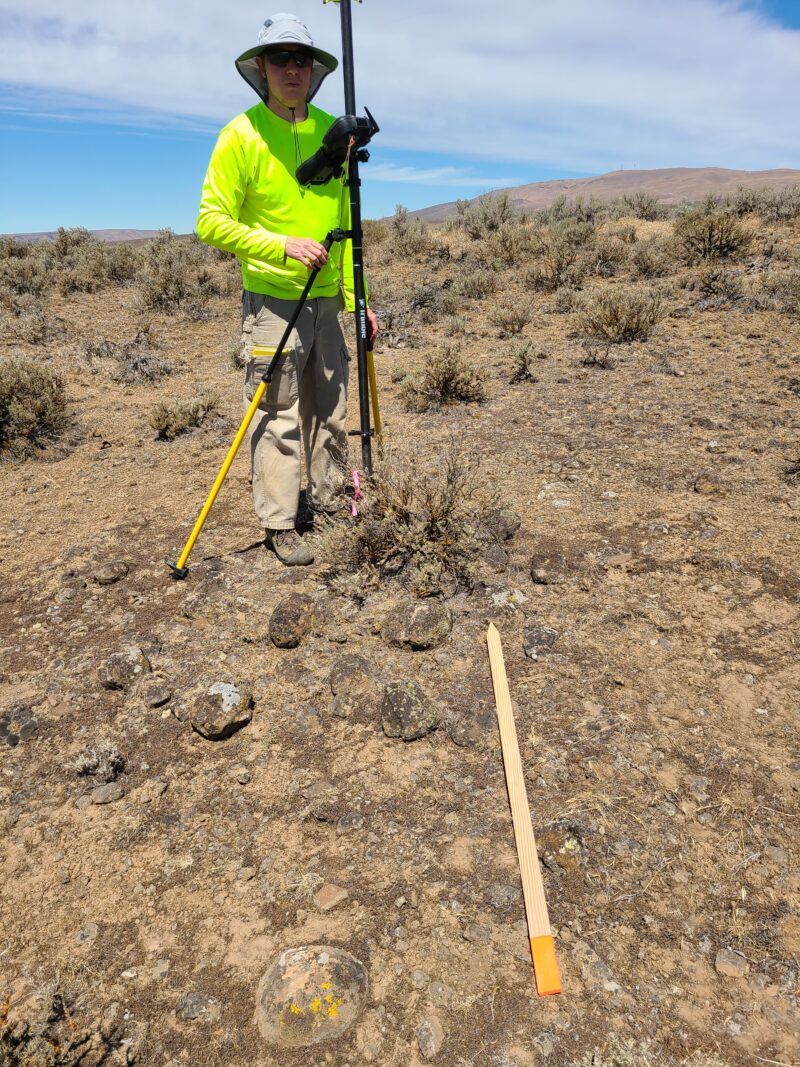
{"x":289,"y":547}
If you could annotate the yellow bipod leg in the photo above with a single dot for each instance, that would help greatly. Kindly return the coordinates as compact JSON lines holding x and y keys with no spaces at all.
{"x":373,"y":389}
{"x":179,"y":568}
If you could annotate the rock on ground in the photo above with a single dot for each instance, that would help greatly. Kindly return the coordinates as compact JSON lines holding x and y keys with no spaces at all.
{"x":310,"y":995}
{"x":407,"y":712}
{"x":222,"y":710}
{"x":417,"y":625}
{"x":291,"y":621}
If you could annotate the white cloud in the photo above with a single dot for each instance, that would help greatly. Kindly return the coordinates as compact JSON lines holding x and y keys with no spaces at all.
{"x":575,"y":85}
{"x":448,"y":177}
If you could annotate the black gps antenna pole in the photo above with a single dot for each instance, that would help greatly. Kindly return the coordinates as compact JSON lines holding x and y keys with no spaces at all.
{"x":354,"y":183}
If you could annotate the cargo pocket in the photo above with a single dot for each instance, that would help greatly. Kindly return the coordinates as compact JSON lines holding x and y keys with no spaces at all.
{"x":282,"y":390}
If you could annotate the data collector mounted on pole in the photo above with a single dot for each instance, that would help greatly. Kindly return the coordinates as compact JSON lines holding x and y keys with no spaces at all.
{"x":342,"y":150}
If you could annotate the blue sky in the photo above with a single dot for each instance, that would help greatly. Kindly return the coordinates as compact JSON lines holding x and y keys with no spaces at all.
{"x":108,"y":115}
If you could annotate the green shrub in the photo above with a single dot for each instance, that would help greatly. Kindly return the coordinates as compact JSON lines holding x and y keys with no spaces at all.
{"x":717,"y":282}
{"x":177,"y":276}
{"x":702,"y":235}
{"x":620,"y":315}
{"x":782,"y":289}
{"x":170,"y":420}
{"x":33,"y":408}
{"x":446,"y":379}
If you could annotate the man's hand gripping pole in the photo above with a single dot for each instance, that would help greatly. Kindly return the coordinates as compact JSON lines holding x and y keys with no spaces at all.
{"x":179,"y":568}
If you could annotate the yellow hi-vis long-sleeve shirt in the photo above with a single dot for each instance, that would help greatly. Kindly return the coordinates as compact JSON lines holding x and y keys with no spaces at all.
{"x":251,"y":202}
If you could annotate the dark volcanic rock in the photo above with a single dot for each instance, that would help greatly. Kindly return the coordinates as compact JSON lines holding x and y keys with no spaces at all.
{"x":155,"y":691}
{"x":291,"y":621}
{"x":417,"y":625}
{"x":539,"y":640}
{"x":407,"y":712}
{"x":548,"y":568}
{"x":222,"y":710}
{"x":121,"y":670}
{"x":310,"y":995}
{"x":17,"y":724}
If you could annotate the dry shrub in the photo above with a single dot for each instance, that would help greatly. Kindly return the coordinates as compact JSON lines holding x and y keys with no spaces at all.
{"x":561,"y":257}
{"x":511,"y":319}
{"x":170,"y":420}
{"x":510,"y":244}
{"x":577,"y":210}
{"x":566,"y":299}
{"x":410,"y":237}
{"x":431,"y":302}
{"x":25,"y":275}
{"x":375,"y":231}
{"x":33,"y":408}
{"x":772,"y":205}
{"x":137,"y":361}
{"x":620,"y":315}
{"x":422,"y":528}
{"x":446,"y":379}
{"x":606,"y":256}
{"x":485,"y":215}
{"x":651,"y":259}
{"x":524,"y":356}
{"x":642,"y":205}
{"x":717,"y":285}
{"x":178,"y":276}
{"x":702,"y":235}
{"x":475,"y":284}
{"x":782,"y":291}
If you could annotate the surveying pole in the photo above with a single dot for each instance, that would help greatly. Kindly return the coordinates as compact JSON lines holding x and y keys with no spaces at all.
{"x":354,"y":184}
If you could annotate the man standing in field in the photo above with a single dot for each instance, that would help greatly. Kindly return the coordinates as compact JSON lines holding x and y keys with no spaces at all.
{"x":253,"y":206}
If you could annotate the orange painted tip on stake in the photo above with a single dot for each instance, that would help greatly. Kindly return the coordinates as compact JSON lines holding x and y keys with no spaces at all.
{"x":545,"y":966}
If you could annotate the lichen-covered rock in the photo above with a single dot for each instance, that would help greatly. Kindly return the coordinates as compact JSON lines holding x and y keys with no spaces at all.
{"x":222,"y":710}
{"x":310,"y":995}
{"x":407,"y":712}
{"x":123,"y":669}
{"x":417,"y":625}
{"x":291,"y":621}
{"x":354,"y":687}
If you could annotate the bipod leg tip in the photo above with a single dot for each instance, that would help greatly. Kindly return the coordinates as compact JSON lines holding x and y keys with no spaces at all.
{"x":178,"y":573}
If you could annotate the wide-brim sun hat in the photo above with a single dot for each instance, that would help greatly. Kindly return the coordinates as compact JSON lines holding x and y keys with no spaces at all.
{"x":278,"y":30}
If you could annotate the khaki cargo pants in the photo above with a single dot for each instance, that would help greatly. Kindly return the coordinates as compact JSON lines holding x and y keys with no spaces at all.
{"x":307,"y":398}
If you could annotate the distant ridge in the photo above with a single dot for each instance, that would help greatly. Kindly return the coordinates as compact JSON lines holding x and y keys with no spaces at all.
{"x":670,"y":185}
{"x":106,"y":236}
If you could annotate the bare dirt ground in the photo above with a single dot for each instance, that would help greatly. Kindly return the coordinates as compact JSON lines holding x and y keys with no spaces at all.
{"x":658,"y":732}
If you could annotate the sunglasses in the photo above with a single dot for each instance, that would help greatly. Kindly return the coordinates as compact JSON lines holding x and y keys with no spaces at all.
{"x":283,"y":58}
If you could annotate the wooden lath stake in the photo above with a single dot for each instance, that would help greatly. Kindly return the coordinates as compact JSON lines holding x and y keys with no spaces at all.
{"x":545,"y":966}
